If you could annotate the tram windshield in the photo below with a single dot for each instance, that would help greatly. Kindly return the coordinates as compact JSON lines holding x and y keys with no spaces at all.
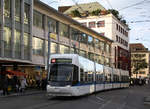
{"x":61,"y":72}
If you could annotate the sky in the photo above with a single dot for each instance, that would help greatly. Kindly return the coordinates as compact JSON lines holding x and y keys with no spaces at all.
{"x":135,"y":12}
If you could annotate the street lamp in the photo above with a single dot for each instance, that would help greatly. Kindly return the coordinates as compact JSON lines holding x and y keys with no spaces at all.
{"x":49,"y":51}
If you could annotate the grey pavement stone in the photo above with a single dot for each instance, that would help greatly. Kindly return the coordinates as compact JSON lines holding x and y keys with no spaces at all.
{"x":147,"y":100}
{"x":27,"y":92}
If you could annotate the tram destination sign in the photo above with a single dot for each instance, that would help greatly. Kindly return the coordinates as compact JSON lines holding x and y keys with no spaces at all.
{"x":61,"y":60}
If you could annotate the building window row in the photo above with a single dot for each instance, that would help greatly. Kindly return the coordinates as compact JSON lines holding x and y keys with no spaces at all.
{"x":121,"y":41}
{"x":121,"y":30}
{"x":93,"y":24}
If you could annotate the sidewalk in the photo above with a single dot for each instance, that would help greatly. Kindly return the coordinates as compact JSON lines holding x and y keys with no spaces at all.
{"x":147,"y":98}
{"x":27,"y":92}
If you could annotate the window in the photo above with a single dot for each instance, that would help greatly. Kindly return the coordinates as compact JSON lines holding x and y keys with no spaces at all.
{"x":53,"y":48}
{"x":37,"y":19}
{"x":102,"y":46}
{"x":91,"y":24}
{"x":117,"y":26}
{"x":97,"y":44}
{"x":101,"y":23}
{"x":38,"y":45}
{"x":91,"y":56}
{"x":7,"y":7}
{"x":84,"y":23}
{"x":26,"y":13}
{"x":142,"y":72}
{"x":107,"y":48}
{"x":17,"y":43}
{"x":116,"y":38}
{"x":26,"y":46}
{"x":75,"y":34}
{"x":53,"y":24}
{"x":17,"y":10}
{"x":83,"y":53}
{"x":64,"y":49}
{"x":103,"y":34}
{"x":83,"y":38}
{"x":7,"y":42}
{"x":90,"y":41}
{"x":63,"y":30}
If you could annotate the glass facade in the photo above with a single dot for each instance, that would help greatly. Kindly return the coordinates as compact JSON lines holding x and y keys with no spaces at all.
{"x":37,"y":19}
{"x":83,"y":38}
{"x":102,"y":45}
{"x":90,"y":41}
{"x":26,"y":13}
{"x":75,"y":34}
{"x":38,"y":45}
{"x":26,"y":46}
{"x":97,"y":43}
{"x":18,"y":10}
{"x":53,"y":24}
{"x":7,"y":42}
{"x":64,"y":49}
{"x":7,"y":7}
{"x":17,"y":44}
{"x":82,"y":53}
{"x":54,"y":48}
{"x":63,"y":30}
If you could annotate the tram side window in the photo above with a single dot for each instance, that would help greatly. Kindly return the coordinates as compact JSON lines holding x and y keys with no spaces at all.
{"x":82,"y":77}
{"x":75,"y":74}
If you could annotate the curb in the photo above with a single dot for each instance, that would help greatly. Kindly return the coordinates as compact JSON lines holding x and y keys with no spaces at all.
{"x":23,"y":94}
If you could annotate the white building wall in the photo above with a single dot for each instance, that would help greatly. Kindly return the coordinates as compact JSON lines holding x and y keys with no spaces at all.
{"x":109,"y":29}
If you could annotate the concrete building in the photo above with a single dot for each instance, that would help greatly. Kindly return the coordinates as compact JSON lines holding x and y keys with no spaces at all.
{"x":24,"y":42}
{"x":139,"y":54}
{"x":107,"y":25}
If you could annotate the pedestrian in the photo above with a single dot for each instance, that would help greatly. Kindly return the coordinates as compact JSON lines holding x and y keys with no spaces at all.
{"x":23,"y":84}
{"x":5,"y":85}
{"x":37,"y":77}
{"x":44,"y":83}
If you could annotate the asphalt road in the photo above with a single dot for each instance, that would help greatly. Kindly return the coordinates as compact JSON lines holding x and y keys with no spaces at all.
{"x":130,"y":98}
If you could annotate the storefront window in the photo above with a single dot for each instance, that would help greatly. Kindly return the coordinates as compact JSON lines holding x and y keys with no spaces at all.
{"x":63,"y":30}
{"x":53,"y":24}
{"x":17,"y":43}
{"x":38,"y":45}
{"x":7,"y":7}
{"x":37,"y":19}
{"x":26,"y":46}
{"x":17,"y":10}
{"x":26,"y":13}
{"x":7,"y":42}
{"x":64,"y":49}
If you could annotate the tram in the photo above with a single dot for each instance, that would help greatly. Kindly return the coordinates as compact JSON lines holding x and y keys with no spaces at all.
{"x":74,"y":75}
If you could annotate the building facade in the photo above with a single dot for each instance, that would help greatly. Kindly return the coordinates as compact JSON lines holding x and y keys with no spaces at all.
{"x":107,"y":25}
{"x":139,"y":56}
{"x":24,"y":37}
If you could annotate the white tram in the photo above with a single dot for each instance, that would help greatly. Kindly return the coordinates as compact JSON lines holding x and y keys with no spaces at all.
{"x":73,"y":75}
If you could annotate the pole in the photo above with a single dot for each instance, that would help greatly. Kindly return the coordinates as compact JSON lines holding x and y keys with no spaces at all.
{"x":49,"y":51}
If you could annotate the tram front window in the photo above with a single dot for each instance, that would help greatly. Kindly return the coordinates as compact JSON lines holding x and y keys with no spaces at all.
{"x":61,"y":72}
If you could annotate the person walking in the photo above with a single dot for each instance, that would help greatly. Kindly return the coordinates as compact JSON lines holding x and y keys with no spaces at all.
{"x":23,"y":84}
{"x":5,"y":85}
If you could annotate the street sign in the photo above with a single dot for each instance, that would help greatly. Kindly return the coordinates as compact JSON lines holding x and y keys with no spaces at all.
{"x":53,"y":36}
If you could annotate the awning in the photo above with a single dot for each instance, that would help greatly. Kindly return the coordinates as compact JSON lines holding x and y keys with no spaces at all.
{"x":16,"y":73}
